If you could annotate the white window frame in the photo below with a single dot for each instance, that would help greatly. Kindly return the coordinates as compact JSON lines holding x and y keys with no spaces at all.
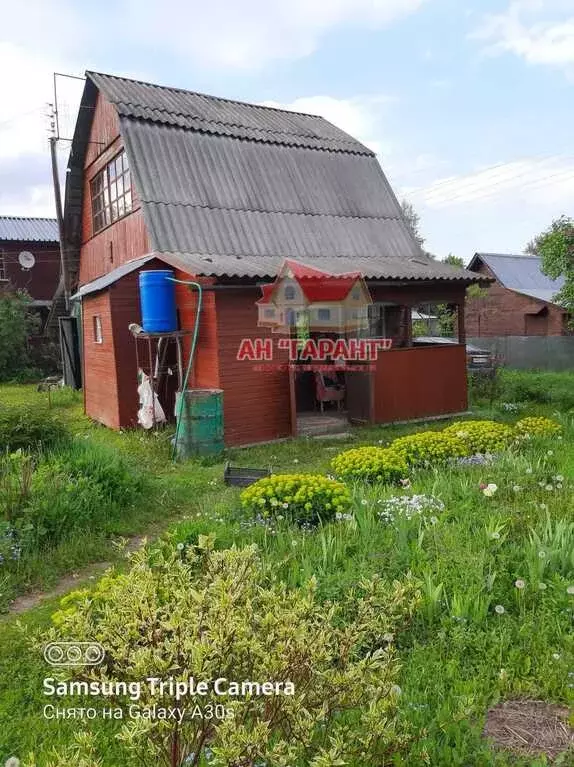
{"x":97,"y":329}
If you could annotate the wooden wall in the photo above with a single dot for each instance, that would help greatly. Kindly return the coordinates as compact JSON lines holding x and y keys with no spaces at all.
{"x":42,"y":280}
{"x":419,"y":382}
{"x":126,"y":238}
{"x":99,"y":361}
{"x":256,"y":404}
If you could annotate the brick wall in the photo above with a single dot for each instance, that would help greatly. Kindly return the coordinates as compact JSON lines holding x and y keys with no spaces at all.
{"x":503,"y":312}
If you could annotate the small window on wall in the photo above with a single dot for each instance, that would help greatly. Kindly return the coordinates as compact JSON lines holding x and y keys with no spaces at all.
{"x":323,"y":314}
{"x":111,"y":193}
{"x":289,"y":293}
{"x":98,"y":336}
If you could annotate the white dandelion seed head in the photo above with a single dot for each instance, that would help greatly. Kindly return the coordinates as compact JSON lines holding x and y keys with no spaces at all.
{"x":570,"y":590}
{"x":542,"y":586}
{"x":556,"y":655}
{"x":542,"y":555}
{"x":180,"y":546}
{"x":519,"y":583}
{"x":495,"y":536}
{"x":499,"y":610}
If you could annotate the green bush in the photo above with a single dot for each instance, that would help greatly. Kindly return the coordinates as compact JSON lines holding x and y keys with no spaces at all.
{"x":482,"y":437}
{"x":370,"y":464}
{"x":17,"y":322}
{"x":538,"y":387}
{"x":80,"y":488}
{"x":301,"y":498}
{"x":30,"y":428}
{"x":537,"y":426}
{"x":217,"y":616}
{"x":429,"y":448}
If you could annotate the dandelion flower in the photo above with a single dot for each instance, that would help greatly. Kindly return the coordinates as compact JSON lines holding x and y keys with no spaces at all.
{"x":499,"y":610}
{"x":550,"y":452}
{"x":556,"y":655}
{"x":542,"y":586}
{"x":180,"y":546}
{"x":570,"y":590}
{"x":544,"y":506}
{"x":559,"y":478}
{"x":364,"y":502}
{"x":490,"y":490}
{"x":13,"y":761}
{"x":388,"y":638}
{"x":396,"y":690}
{"x":433,"y":520}
{"x":549,"y":488}
{"x":529,"y":470}
{"x":495,"y":536}
{"x":517,"y":488}
{"x":542,"y":555}
{"x":520,"y":584}
{"x":295,"y":460}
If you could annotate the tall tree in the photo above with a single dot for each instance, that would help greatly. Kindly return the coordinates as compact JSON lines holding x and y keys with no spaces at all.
{"x":413,"y":221}
{"x":555,"y":246}
{"x":454,"y":260}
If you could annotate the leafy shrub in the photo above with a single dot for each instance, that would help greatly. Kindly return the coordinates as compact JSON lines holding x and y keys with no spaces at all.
{"x":370,"y":464}
{"x":429,"y":448}
{"x":216,"y":615}
{"x":81,"y":487}
{"x":17,"y":322}
{"x":30,"y":428}
{"x":538,"y":427}
{"x":302,"y":498}
{"x":481,"y":437}
{"x":540,"y":387}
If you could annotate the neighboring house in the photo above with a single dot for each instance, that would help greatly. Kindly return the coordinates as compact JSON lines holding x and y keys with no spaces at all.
{"x":223,"y":192}
{"x":30,"y":258}
{"x":519,"y":302}
{"x":318,"y":300}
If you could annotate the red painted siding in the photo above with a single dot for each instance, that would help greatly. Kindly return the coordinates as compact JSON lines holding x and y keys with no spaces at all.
{"x":414,"y":383}
{"x":100,"y":380}
{"x":257,"y":405}
{"x":125,"y":239}
{"x":503,"y":312}
{"x":42,"y":280}
{"x":205,"y":370}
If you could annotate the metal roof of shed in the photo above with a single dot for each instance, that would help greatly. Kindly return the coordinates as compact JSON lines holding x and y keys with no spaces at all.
{"x":24,"y":229}
{"x":521,"y":273}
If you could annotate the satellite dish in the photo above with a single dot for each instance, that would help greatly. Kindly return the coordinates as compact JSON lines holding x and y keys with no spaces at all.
{"x":26,"y":259}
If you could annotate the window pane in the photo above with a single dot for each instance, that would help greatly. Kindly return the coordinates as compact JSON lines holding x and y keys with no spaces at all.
{"x":128,"y":199}
{"x":127,"y":180}
{"x":112,"y":170}
{"x":120,"y":186}
{"x":98,"y":222}
{"x":121,"y":208}
{"x":125,"y":161}
{"x":97,"y":184}
{"x":113,"y":191}
{"x":114,"y":210}
{"x":106,"y":198}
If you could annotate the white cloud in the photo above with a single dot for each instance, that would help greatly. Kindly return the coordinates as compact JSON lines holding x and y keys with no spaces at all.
{"x":539,"y":32}
{"x":252,"y":33}
{"x":360,"y":116}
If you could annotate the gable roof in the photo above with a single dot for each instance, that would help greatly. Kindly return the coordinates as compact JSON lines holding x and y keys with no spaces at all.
{"x":521,"y":273}
{"x":232,"y":189}
{"x":25,"y":229}
{"x":317,"y":286}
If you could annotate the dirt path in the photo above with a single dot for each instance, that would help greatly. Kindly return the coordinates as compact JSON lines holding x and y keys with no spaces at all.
{"x":70,"y":582}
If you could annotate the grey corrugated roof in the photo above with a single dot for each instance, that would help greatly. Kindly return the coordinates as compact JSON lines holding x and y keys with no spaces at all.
{"x":210,"y":114}
{"x":108,"y":279}
{"x":522,"y":273}
{"x":19,"y":228}
{"x":237,"y":188}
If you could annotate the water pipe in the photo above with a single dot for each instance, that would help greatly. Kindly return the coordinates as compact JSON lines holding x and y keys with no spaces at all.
{"x":196,"y":285}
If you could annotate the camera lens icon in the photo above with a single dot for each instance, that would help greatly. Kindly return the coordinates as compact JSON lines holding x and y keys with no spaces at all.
{"x":74,"y":653}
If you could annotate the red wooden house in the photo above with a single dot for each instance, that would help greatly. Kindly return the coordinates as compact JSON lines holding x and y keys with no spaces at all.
{"x":30,"y":259}
{"x":223,"y":192}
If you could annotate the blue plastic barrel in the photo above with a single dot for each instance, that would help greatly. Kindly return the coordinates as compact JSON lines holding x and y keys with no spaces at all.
{"x":157,"y":301}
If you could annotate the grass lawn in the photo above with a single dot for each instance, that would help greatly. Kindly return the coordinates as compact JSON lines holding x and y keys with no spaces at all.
{"x":496,"y":617}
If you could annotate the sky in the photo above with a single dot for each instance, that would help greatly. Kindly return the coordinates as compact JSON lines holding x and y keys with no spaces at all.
{"x":469,"y":104}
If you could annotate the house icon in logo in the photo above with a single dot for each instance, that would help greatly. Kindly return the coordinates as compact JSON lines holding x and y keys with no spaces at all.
{"x":303,"y":297}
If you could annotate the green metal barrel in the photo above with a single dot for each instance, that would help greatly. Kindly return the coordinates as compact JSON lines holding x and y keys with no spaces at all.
{"x":199,"y":417}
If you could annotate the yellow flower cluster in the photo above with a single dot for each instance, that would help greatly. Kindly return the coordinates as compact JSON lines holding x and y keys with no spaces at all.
{"x":303,"y":498}
{"x":372,"y":464}
{"x":538,"y":427}
{"x":429,"y":448}
{"x":480,"y":437}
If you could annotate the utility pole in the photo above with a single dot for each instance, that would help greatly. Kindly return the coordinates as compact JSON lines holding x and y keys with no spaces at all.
{"x":59,"y":211}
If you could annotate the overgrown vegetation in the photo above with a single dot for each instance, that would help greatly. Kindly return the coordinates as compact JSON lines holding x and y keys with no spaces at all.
{"x":486,"y":537}
{"x":17,"y":323}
